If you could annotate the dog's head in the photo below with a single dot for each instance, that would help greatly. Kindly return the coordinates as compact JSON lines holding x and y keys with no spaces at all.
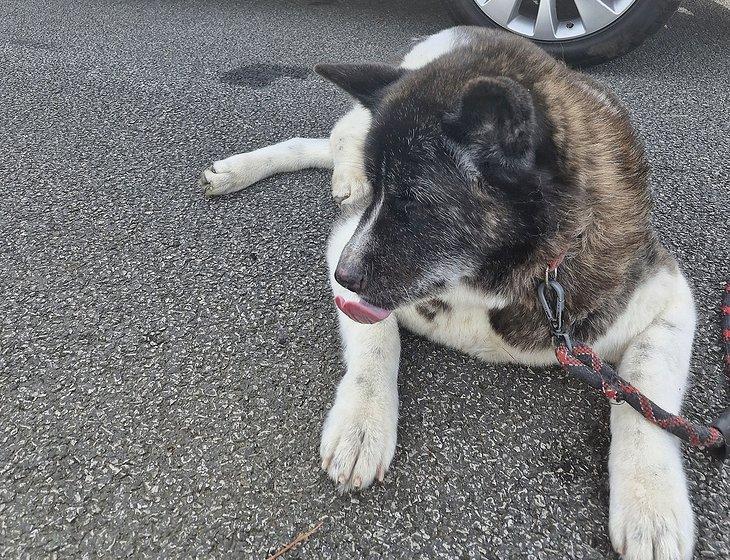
{"x":459,"y":177}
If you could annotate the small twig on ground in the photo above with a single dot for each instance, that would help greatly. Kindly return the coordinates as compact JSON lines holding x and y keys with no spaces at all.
{"x":300,"y":538}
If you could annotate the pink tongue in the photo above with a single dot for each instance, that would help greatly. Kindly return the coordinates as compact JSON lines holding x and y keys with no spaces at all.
{"x":361,"y":311}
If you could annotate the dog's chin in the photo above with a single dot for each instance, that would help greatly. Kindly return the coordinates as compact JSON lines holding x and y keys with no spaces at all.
{"x":361,"y":311}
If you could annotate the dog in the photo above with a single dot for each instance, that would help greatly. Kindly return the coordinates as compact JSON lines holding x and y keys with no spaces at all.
{"x":460,"y":175}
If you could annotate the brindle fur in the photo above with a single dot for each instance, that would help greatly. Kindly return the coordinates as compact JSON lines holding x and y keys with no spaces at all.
{"x":597,"y":207}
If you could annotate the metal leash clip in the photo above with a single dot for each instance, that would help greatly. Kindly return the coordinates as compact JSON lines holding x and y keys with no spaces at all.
{"x":722,"y":424}
{"x":555,"y":315}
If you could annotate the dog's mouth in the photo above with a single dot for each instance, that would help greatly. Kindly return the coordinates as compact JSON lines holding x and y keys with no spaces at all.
{"x":361,"y":311}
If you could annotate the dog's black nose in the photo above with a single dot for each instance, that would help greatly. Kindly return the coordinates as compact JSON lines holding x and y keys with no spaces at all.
{"x":351,"y":277}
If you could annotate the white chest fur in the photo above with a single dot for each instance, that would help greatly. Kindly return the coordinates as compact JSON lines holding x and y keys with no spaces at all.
{"x":465,"y":326}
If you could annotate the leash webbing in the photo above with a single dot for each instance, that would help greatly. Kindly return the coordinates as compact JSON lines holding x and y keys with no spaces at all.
{"x":580,"y":360}
{"x":587,"y":366}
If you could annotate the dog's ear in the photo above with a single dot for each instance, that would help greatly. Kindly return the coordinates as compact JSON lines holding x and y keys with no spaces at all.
{"x":365,"y":82}
{"x":495,"y":122}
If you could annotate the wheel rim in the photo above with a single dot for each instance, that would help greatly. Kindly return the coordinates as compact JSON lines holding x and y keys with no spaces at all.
{"x":544,"y":20}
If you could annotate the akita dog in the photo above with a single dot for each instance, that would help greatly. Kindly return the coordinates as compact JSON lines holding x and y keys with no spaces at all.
{"x":461,"y":174}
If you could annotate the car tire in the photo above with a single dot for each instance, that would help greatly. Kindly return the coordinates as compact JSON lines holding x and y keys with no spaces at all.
{"x":640,"y":20}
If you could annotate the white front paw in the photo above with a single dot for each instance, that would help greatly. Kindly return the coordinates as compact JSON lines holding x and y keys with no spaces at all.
{"x":650,"y":516}
{"x":216,"y":184}
{"x":228,"y":175}
{"x":349,"y":184}
{"x":358,"y":442}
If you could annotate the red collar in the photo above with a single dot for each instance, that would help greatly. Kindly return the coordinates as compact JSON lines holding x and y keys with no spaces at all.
{"x":553,"y":265}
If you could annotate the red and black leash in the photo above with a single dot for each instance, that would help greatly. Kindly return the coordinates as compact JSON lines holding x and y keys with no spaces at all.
{"x":580,"y":360}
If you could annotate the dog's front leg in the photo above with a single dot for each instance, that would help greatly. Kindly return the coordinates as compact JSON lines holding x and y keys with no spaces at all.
{"x":650,"y":513}
{"x":359,"y":434}
{"x":242,"y":170}
{"x":347,"y":141}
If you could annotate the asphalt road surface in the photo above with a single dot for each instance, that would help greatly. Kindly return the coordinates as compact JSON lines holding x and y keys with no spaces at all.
{"x":166,"y":361}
